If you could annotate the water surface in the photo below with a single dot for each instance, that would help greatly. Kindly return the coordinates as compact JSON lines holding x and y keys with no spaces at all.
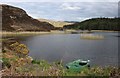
{"x":69,"y":47}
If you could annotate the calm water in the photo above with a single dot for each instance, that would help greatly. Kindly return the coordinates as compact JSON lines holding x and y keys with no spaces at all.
{"x":69,"y":47}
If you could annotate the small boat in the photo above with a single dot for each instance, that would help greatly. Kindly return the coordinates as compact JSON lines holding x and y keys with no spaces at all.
{"x":78,"y":65}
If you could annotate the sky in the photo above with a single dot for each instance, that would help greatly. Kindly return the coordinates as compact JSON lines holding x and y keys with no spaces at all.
{"x":68,"y":10}
{"x":59,"y":0}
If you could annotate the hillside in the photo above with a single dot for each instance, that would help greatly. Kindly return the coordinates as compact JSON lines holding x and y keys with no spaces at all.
{"x":96,"y":24}
{"x":55,"y":23}
{"x":16,"y":19}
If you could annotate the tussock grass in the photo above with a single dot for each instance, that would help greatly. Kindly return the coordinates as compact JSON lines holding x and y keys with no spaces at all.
{"x":91,"y":37}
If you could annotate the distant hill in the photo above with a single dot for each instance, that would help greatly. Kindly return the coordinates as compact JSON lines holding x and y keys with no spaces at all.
{"x":55,"y":23}
{"x":16,"y":19}
{"x":96,"y":24}
{"x":71,"y":21}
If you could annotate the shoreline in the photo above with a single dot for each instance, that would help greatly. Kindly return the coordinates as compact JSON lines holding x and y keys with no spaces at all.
{"x":31,"y":33}
{"x":103,"y":31}
{"x":72,"y":30}
{"x":22,"y":33}
{"x":51,"y":32}
{"x":8,"y":33}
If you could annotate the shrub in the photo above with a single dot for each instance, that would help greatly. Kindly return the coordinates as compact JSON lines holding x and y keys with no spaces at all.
{"x":19,"y":48}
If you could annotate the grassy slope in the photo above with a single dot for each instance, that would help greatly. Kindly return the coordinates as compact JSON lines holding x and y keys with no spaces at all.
{"x":55,"y":23}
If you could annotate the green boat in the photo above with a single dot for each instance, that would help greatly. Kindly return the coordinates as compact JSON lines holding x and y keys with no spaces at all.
{"x":78,"y":65}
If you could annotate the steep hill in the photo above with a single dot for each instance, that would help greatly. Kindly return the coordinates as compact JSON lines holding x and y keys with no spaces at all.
{"x":96,"y":24}
{"x":16,"y":19}
{"x":55,"y":23}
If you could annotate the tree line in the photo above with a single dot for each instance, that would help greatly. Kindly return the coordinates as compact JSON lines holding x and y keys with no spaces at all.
{"x":96,"y":24}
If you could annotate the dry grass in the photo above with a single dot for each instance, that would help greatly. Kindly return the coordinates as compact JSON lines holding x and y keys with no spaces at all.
{"x":22,"y":33}
{"x":55,"y":23}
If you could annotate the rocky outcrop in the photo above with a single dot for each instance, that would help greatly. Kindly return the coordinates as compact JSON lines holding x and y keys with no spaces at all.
{"x":16,"y":19}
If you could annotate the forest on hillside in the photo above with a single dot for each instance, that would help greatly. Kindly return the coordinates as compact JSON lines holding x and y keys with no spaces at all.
{"x":96,"y":24}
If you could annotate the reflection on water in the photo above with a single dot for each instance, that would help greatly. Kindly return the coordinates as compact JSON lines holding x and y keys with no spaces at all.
{"x":69,"y":47}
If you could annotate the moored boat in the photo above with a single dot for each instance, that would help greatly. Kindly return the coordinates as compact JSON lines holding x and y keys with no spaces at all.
{"x":78,"y":65}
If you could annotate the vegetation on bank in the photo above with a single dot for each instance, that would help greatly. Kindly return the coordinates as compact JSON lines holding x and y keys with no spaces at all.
{"x":43,"y":68}
{"x":96,"y":24}
{"x":17,"y":62}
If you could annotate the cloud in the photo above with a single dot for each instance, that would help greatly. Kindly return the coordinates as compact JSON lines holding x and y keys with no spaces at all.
{"x":69,"y":11}
{"x":59,"y":0}
{"x":82,"y":18}
{"x":68,"y":6}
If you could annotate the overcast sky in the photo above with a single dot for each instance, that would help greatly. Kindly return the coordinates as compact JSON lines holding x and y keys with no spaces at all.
{"x":59,"y":0}
{"x":69,"y":11}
